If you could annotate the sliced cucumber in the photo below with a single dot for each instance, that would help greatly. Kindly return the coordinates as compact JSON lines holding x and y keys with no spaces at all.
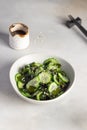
{"x":54,"y":89}
{"x":63,"y":78}
{"x":20,"y":84}
{"x":32,"y":85}
{"x":50,"y":60}
{"x":41,"y":96}
{"x":18,"y":77}
{"x":35,"y":64}
{"x":55,"y":78}
{"x":26,"y":94}
{"x":38,"y":70}
{"x":38,"y":96}
{"x":35,"y":93}
{"x":52,"y":67}
{"x":34,"y":82}
{"x":45,"y":77}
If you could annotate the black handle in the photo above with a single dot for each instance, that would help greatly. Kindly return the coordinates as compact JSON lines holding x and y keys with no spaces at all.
{"x":76,"y":22}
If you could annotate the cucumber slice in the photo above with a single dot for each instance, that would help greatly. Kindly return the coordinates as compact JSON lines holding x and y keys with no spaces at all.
{"x":63,"y":78}
{"x":38,"y":96}
{"x":52,"y":67}
{"x":41,"y":96}
{"x":54,"y":89}
{"x":34,"y":82}
{"x":26,"y":94}
{"x":55,"y":78}
{"x":18,"y":77}
{"x":38,"y":70}
{"x":45,"y":77}
{"x":20,"y":84}
{"x":50,"y":60}
{"x":35,"y":64}
{"x":52,"y":64}
{"x":32,"y":85}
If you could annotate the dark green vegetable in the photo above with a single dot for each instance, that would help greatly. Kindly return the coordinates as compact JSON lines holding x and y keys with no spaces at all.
{"x":42,"y":81}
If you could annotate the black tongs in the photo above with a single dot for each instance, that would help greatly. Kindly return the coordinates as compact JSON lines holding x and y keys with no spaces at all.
{"x":70,"y":23}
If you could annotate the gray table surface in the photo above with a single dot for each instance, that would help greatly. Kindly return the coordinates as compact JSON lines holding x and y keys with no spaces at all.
{"x":48,"y":33}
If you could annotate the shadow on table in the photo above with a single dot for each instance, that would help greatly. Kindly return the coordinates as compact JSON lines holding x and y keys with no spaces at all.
{"x":79,"y":34}
{"x":5,"y":38}
{"x":6,"y":89}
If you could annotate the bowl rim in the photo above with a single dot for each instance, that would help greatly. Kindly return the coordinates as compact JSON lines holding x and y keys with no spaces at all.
{"x":40,"y":101}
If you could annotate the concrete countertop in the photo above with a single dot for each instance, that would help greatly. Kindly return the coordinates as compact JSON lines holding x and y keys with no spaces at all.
{"x":48,"y":34}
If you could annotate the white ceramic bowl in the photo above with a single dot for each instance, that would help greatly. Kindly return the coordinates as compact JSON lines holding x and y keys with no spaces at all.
{"x":40,"y":58}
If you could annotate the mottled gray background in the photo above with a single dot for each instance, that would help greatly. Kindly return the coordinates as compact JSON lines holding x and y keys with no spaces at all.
{"x":48,"y":33}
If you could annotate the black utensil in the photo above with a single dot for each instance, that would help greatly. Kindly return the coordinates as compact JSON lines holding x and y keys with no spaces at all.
{"x":70,"y":23}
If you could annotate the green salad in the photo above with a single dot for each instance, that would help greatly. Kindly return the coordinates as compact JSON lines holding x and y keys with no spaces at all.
{"x":42,"y":81}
